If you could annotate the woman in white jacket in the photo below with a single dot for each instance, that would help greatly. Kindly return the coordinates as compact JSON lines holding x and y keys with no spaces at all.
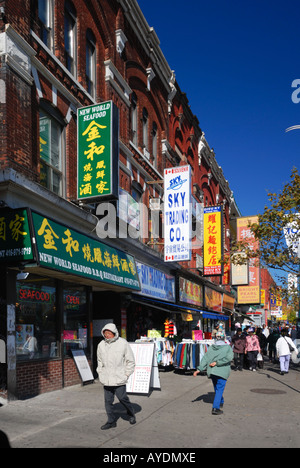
{"x":283,"y":351}
{"x":115,"y":365}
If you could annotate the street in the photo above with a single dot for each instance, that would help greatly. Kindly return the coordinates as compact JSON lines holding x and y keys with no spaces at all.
{"x":261,"y":410}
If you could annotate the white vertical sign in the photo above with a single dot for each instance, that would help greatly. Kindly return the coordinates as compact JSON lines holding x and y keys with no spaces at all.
{"x":177,"y":214}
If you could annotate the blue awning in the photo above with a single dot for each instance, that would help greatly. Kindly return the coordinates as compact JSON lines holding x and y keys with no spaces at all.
{"x":181,"y":308}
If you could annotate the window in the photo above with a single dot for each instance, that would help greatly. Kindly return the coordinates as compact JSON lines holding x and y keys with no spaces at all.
{"x":145,"y":128}
{"x":70,"y":37}
{"x":91,"y":63}
{"x":36,"y":319}
{"x":154,"y":144}
{"x":75,"y":319}
{"x":51,"y":154}
{"x":134,"y":118}
{"x":46,"y":18}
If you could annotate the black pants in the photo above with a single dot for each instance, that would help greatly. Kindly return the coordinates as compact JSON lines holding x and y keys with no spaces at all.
{"x":109,"y":396}
{"x":252,"y":358}
{"x":239,"y":360}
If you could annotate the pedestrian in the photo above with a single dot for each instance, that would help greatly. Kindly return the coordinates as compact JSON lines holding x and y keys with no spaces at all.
{"x":272,"y":339}
{"x":284,"y":348}
{"x":216,"y":361}
{"x":252,"y":349}
{"x":115,"y":365}
{"x":239,"y":344}
{"x":263,"y":345}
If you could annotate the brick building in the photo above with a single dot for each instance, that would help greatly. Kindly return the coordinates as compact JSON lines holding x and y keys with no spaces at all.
{"x":58,"y":56}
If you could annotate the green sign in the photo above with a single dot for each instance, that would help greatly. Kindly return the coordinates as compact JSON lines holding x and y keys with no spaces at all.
{"x":97,"y":151}
{"x":15,"y":236}
{"x":67,"y":250}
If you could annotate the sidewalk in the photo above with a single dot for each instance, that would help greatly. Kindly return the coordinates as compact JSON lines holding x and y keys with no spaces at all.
{"x":261,"y":409}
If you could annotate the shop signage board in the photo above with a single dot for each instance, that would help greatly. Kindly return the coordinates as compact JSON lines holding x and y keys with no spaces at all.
{"x":177,"y":214}
{"x":97,"y":152}
{"x":145,"y":375}
{"x":155,"y":283}
{"x":249,"y":294}
{"x":82,"y":366}
{"x":15,"y":236}
{"x":64,"y":249}
{"x":190,"y":293}
{"x":213,"y":241}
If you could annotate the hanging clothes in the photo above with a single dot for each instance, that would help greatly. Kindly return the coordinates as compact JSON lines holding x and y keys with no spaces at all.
{"x":189,"y":354}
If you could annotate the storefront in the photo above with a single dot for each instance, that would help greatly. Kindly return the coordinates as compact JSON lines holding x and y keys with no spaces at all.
{"x":152,"y":306}
{"x":50,"y":272}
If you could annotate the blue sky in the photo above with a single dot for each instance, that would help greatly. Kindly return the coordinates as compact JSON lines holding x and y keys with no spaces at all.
{"x":236,"y":61}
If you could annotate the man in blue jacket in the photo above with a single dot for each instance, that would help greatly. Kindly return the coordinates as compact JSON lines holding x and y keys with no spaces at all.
{"x":217,"y":363}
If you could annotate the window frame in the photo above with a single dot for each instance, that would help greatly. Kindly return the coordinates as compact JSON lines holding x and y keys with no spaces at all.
{"x":47,"y":23}
{"x":91,"y":63}
{"x":58,"y":121}
{"x":70,"y":33}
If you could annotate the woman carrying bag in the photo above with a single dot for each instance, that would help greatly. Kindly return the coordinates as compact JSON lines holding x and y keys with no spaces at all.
{"x":284,"y":348}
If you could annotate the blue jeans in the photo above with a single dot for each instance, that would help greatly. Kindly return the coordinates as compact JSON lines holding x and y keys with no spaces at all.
{"x":219,"y":386}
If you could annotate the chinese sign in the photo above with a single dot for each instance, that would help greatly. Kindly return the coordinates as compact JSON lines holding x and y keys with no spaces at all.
{"x":97,"y":151}
{"x":177,"y":213}
{"x":190,"y":292}
{"x":213,"y":299}
{"x":249,"y":294}
{"x":15,"y":236}
{"x":64,"y":249}
{"x":213,"y":245}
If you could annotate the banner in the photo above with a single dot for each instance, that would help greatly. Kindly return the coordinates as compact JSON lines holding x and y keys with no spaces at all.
{"x":249,"y":294}
{"x":177,"y":214}
{"x":97,"y":152}
{"x":213,"y":241}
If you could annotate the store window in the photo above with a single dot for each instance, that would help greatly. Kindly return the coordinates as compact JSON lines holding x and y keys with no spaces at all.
{"x":75,"y":319}
{"x":36,"y":319}
{"x":51,"y":152}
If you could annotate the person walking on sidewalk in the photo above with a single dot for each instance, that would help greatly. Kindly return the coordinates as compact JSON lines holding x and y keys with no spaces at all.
{"x":115,"y":365}
{"x":252,"y":349}
{"x":239,"y":343}
{"x":216,"y":361}
{"x":284,"y":347}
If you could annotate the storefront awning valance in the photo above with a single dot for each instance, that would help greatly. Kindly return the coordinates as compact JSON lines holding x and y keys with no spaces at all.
{"x":30,"y":237}
{"x":179,"y":308}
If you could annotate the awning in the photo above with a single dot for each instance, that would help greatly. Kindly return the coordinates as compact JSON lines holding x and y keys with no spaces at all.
{"x":179,"y":308}
{"x":34,"y":239}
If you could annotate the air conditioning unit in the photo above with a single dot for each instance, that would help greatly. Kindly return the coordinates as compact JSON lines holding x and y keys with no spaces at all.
{"x":154,"y":204}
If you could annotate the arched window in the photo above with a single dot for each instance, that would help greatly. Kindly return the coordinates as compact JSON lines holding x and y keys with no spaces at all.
{"x":154,"y":143}
{"x":91,"y":63}
{"x":134,"y":119}
{"x":70,"y":35}
{"x":145,"y":128}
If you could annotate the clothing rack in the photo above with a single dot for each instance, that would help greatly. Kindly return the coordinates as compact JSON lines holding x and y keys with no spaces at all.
{"x":188,"y":353}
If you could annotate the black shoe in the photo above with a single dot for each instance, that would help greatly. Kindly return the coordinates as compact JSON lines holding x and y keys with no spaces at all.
{"x":108,"y":425}
{"x":216,"y":411}
{"x":132,"y":420}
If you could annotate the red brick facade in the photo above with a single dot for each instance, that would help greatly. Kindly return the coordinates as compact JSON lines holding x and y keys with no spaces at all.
{"x":132,"y":72}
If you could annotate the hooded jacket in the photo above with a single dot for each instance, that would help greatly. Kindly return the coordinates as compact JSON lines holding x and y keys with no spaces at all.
{"x":115,"y":359}
{"x":222,"y":354}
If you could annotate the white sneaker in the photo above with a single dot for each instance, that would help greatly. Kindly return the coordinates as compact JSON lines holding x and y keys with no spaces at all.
{"x":254,"y":370}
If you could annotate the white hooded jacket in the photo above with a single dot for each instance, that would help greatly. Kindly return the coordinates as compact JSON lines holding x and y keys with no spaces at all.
{"x":115,"y":359}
